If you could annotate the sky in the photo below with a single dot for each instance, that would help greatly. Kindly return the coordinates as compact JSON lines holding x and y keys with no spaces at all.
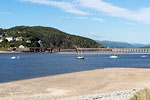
{"x":114,"y":20}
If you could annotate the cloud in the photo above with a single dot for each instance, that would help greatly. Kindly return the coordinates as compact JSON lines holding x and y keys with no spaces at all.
{"x":98,"y":19}
{"x":81,"y":7}
{"x":94,"y":19}
{"x":141,"y":15}
{"x":130,"y":23}
{"x":66,"y":6}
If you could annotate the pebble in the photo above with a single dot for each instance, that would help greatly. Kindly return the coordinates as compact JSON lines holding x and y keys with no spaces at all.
{"x":116,"y":95}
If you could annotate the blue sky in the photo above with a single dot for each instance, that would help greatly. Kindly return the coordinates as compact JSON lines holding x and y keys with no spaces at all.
{"x":116,"y":20}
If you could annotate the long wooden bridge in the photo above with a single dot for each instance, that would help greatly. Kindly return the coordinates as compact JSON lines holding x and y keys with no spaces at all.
{"x":116,"y":50}
{"x":86,"y":50}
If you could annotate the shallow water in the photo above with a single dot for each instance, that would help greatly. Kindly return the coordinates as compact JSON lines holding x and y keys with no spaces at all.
{"x":33,"y":65}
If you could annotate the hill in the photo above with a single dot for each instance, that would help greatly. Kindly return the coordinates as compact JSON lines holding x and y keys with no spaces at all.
{"x":49,"y":37}
{"x":114,"y":44}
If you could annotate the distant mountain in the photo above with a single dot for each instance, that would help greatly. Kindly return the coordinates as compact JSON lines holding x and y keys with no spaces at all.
{"x":48,"y":36}
{"x":114,"y":44}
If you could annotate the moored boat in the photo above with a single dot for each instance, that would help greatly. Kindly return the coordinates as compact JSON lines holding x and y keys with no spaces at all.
{"x":114,"y":57}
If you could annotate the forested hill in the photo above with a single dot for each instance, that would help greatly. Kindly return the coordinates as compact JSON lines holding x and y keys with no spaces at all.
{"x":50,"y":37}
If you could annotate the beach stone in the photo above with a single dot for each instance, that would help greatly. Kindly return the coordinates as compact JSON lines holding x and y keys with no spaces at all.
{"x":116,"y":95}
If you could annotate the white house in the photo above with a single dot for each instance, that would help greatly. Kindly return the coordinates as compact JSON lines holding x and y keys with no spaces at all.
{"x":21,"y":46}
{"x":18,"y":38}
{"x":28,"y":41}
{"x":21,"y":32}
{"x":1,"y":40}
{"x":9,"y":38}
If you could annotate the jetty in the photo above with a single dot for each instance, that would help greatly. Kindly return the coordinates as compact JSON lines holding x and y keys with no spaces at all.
{"x":84,"y":50}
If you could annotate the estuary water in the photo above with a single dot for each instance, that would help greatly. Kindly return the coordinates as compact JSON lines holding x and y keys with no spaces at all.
{"x":34,"y":65}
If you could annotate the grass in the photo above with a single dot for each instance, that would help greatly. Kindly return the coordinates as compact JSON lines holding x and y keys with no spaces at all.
{"x":142,"y":95}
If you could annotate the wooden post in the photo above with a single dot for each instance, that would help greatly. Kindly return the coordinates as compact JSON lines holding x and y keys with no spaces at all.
{"x":34,"y":49}
{"x":76,"y":50}
{"x":59,"y":50}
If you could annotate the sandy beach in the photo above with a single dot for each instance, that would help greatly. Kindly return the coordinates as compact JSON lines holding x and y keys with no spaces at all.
{"x":76,"y":84}
{"x":9,"y":52}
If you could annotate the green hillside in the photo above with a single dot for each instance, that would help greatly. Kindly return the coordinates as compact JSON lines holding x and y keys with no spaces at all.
{"x":50,"y":37}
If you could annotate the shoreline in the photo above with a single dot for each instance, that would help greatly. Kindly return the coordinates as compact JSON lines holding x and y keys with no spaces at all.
{"x":76,"y":84}
{"x":10,"y":52}
{"x":99,"y":53}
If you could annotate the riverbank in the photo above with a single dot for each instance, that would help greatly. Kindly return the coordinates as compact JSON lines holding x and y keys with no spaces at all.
{"x":105,"y":53}
{"x":76,"y":84}
{"x":10,"y":52}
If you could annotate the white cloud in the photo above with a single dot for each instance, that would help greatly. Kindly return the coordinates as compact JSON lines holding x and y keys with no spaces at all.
{"x":66,"y":6}
{"x":98,"y":19}
{"x":93,"y":19}
{"x":130,"y":23}
{"x":141,"y":15}
{"x":78,"y":7}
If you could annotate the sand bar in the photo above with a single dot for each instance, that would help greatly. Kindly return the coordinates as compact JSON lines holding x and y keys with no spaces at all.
{"x":75,"y":84}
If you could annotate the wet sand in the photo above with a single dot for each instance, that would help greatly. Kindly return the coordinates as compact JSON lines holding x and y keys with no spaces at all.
{"x":76,"y":84}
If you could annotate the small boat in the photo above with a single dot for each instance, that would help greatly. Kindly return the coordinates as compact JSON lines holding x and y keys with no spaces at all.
{"x":80,"y":56}
{"x":13,"y":57}
{"x":114,"y":57}
{"x":144,"y":56}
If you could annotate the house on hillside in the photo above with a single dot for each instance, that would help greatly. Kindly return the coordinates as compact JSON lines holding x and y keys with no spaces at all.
{"x":1,"y":40}
{"x":21,"y":46}
{"x":9,"y":38}
{"x":21,"y":32}
{"x":18,"y":38}
{"x":28,"y":41}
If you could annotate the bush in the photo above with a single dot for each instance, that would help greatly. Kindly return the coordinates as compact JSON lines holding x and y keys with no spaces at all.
{"x":142,"y":95}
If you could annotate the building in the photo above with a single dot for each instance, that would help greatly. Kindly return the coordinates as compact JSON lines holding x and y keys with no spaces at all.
{"x":21,"y":46}
{"x":28,"y":41}
{"x":21,"y":32}
{"x":9,"y":39}
{"x":1,"y":40}
{"x":18,"y":38}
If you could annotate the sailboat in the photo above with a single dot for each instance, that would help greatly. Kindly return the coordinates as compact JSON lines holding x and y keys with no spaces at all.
{"x":80,"y":56}
{"x":13,"y":57}
{"x":144,"y":56}
{"x":113,"y":56}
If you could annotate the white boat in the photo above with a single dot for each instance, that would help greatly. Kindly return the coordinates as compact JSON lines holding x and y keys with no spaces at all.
{"x":144,"y":56}
{"x":13,"y":57}
{"x":114,"y":57}
{"x":80,"y":56}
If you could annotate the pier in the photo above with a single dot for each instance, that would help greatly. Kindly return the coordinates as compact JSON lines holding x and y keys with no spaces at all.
{"x":111,"y":51}
{"x":84,"y":50}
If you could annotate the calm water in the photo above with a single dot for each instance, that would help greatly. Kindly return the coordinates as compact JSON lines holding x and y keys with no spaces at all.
{"x":32,"y":65}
